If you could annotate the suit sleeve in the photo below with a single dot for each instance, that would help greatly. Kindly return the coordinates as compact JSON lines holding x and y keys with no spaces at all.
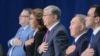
{"x":1,"y":51}
{"x":31,"y":50}
{"x":83,"y":46}
{"x":60,"y":43}
{"x":10,"y":42}
{"x":39,"y":38}
{"x":98,"y":48}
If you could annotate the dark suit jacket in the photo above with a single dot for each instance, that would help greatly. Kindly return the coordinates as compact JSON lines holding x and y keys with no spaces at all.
{"x":96,"y":44}
{"x":31,"y":50}
{"x":81,"y":45}
{"x":1,"y":51}
{"x":57,"y":41}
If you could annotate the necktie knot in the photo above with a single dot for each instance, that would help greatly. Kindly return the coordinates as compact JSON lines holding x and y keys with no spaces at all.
{"x":73,"y":43}
{"x":20,"y":32}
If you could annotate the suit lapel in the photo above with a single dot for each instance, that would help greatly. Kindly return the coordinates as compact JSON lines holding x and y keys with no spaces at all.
{"x":96,"y":37}
{"x":80,"y":39}
{"x":51,"y":34}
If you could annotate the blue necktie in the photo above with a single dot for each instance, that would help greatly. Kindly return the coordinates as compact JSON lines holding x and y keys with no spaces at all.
{"x":73,"y":43}
{"x":91,"y":40}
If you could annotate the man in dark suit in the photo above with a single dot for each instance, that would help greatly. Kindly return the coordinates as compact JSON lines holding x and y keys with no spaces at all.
{"x":56,"y":38}
{"x":93,"y":22}
{"x":79,"y":32}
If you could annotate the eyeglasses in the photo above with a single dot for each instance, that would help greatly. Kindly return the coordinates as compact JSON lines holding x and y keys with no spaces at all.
{"x":47,"y":15}
{"x":23,"y":16}
{"x":91,"y":16}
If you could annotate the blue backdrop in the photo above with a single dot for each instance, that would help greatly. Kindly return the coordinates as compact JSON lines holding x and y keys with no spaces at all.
{"x":10,"y":10}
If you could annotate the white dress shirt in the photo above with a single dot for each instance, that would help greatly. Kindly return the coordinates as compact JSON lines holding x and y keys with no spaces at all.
{"x":53,"y":25}
{"x":76,"y":39}
{"x":96,"y":30}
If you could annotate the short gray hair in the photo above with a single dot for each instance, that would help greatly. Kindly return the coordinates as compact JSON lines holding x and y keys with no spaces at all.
{"x":54,"y":10}
{"x":82,"y":19}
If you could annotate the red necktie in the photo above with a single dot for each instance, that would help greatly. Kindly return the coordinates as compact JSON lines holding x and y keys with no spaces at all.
{"x":46,"y":36}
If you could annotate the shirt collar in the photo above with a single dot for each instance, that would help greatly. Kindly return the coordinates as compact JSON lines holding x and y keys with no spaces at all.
{"x":79,"y":36}
{"x":34,"y":33}
{"x":96,"y":30}
{"x":25,"y":27}
{"x":53,"y":25}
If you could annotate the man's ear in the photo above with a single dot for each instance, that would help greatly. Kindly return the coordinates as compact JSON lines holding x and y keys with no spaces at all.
{"x":55,"y":17}
{"x":97,"y":19}
{"x":81,"y":27}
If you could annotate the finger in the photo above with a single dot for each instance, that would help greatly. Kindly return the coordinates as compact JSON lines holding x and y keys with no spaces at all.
{"x":46,"y":48}
{"x":19,"y":42}
{"x":32,"y":38}
{"x":17,"y":38}
{"x":46,"y":44}
{"x":91,"y":54}
{"x":44,"y":51}
{"x":91,"y":50}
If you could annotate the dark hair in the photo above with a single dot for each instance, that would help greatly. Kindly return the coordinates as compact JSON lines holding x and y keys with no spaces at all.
{"x":38,"y":13}
{"x":29,"y":10}
{"x":97,"y":10}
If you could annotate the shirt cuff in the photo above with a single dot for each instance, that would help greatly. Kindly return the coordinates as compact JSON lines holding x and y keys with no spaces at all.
{"x":11,"y":42}
{"x":40,"y":52}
